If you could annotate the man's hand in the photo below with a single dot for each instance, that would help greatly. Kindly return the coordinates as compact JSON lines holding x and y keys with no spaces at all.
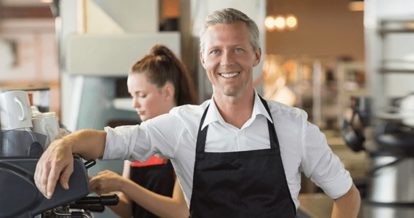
{"x":56,"y":162}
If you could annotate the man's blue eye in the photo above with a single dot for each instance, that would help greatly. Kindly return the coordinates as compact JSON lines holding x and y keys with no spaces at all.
{"x":214,"y":51}
{"x":238,"y":50}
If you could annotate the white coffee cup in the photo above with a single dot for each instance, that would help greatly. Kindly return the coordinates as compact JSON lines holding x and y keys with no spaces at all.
{"x":46,"y":124}
{"x":15,"y":110}
{"x":407,"y":110}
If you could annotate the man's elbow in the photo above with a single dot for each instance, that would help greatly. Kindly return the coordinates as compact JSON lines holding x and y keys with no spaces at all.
{"x":354,"y":195}
{"x":347,"y":205}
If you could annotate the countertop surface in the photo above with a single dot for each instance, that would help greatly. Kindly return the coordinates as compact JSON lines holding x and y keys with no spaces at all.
{"x":315,"y":205}
{"x":319,"y":206}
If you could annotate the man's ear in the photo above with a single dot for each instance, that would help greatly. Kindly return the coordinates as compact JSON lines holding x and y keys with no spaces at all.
{"x":201,"y":55}
{"x":258,"y":55}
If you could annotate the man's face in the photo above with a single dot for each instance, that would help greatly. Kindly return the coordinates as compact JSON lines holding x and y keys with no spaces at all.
{"x":228,"y":58}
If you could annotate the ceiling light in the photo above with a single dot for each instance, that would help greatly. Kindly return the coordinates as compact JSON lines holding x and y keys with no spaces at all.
{"x":269,"y":23}
{"x":356,"y":5}
{"x":280,"y":22}
{"x":291,"y":22}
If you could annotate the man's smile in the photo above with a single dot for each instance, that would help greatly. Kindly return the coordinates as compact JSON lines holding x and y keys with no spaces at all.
{"x":229,"y":75}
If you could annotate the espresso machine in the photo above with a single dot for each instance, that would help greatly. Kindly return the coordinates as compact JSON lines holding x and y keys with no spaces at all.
{"x":20,"y":197}
{"x":20,"y":149}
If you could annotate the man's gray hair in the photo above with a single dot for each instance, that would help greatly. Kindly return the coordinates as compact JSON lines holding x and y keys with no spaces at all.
{"x":230,"y":16}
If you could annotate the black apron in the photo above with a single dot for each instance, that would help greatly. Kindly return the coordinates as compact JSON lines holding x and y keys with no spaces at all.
{"x":242,"y":183}
{"x":157,"y":178}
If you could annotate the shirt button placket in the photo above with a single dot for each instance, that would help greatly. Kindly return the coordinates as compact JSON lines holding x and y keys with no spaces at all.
{"x":238,"y":140}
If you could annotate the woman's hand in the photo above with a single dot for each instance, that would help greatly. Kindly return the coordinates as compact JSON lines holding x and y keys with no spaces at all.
{"x":106,"y":181}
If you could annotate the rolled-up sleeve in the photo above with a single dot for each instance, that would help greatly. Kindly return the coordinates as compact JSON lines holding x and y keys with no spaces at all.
{"x":323,"y":167}
{"x":159,"y":136}
{"x":122,"y":141}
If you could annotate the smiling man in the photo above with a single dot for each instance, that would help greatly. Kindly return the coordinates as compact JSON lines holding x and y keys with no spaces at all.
{"x":236,"y":155}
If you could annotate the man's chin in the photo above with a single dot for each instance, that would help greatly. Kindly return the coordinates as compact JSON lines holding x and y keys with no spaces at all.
{"x":231,"y":93}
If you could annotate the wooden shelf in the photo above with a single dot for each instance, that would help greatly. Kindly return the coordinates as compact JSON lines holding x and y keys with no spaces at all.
{"x":395,"y":70}
{"x":396,"y":26}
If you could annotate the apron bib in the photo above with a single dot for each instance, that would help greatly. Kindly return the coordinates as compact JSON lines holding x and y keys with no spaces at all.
{"x":240,"y":184}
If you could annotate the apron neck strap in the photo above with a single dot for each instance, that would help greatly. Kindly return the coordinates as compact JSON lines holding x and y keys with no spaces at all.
{"x":274,"y":141}
{"x":202,"y":134}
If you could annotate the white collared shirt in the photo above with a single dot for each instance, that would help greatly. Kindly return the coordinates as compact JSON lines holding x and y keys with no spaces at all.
{"x":303,"y":147}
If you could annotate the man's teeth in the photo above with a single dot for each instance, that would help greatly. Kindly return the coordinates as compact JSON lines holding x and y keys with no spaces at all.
{"x":229,"y":75}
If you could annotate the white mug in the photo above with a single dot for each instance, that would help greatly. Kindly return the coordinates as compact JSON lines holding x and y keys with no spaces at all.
{"x":46,"y":124}
{"x":407,"y":110}
{"x":15,"y":110}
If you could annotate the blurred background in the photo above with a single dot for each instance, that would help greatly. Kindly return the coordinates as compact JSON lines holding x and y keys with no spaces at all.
{"x":348,"y":63}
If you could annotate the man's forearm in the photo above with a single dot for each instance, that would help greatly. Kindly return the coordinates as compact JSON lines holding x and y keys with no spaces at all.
{"x":90,"y":144}
{"x":348,"y":205}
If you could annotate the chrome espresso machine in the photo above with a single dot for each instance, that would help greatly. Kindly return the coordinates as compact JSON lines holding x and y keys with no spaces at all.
{"x":20,"y":149}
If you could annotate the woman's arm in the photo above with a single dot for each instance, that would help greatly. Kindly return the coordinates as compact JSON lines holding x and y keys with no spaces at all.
{"x":160,"y":205}
{"x":124,"y":207}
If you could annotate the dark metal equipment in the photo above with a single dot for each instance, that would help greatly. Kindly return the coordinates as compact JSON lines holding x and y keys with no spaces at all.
{"x":20,"y":197}
{"x":390,"y":145}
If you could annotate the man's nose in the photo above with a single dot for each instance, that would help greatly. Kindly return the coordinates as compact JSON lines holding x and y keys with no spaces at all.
{"x":227,"y":58}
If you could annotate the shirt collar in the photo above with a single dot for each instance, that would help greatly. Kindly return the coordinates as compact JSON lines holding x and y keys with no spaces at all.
{"x":259,"y":108}
{"x":213,"y":115}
